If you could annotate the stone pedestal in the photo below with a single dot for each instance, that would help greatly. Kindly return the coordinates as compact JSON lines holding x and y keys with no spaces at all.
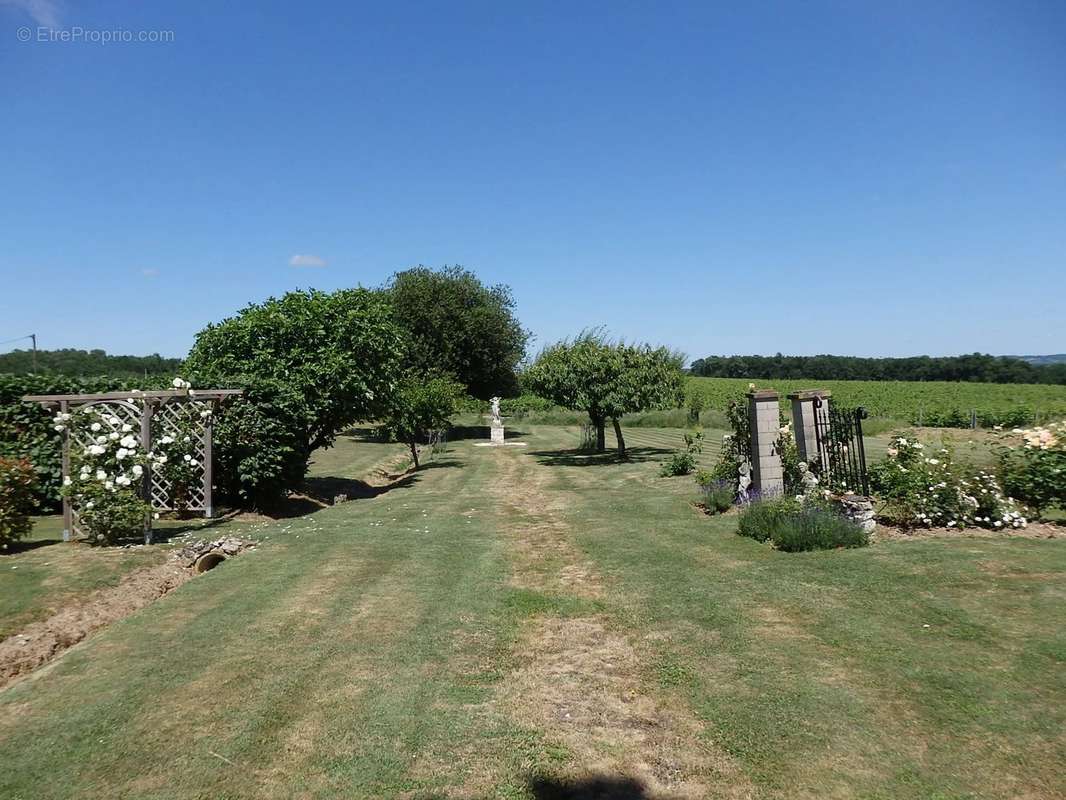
{"x":497,"y":434}
{"x":764,"y":422}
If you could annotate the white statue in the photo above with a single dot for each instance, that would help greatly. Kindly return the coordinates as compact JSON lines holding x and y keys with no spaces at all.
{"x":495,"y":401}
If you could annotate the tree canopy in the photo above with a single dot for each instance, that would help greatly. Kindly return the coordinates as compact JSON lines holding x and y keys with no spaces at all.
{"x":455,"y":324}
{"x":607,"y":379}
{"x":86,"y":363}
{"x":975,"y":367}
{"x":420,"y":405}
{"x":311,"y":363}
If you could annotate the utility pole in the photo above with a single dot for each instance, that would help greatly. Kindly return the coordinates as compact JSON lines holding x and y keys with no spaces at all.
{"x":32,"y":337}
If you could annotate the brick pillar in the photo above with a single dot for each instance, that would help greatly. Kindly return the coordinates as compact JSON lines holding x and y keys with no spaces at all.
{"x":764,"y":422}
{"x":803,"y":412}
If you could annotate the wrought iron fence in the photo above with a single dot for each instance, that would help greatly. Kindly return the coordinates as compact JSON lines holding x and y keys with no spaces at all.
{"x":841,"y":452}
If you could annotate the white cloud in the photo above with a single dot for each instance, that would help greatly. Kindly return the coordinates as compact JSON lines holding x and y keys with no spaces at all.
{"x":44,"y":12}
{"x":149,"y":272}
{"x":307,"y":261}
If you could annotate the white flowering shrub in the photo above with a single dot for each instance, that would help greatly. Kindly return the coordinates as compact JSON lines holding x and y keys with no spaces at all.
{"x":931,"y":490}
{"x":105,"y":475}
{"x":1032,"y":465}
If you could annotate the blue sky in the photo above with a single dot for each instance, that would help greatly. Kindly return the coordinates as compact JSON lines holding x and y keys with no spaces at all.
{"x":859,"y":178}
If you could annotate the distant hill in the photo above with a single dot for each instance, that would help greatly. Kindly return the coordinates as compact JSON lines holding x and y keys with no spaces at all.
{"x":87,"y":363}
{"x":1057,"y":358}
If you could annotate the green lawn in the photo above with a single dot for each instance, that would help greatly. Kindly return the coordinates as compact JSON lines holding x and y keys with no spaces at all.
{"x":510,"y":619}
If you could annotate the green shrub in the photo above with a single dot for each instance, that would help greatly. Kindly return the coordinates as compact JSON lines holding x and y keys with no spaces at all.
{"x":930,"y":490}
{"x":816,"y":527}
{"x":760,"y":518}
{"x":519,"y":407}
{"x":18,"y":483}
{"x":683,"y":462}
{"x":311,"y":364}
{"x":793,"y":526}
{"x":678,"y":463}
{"x":1034,"y":468}
{"x":716,"y":496}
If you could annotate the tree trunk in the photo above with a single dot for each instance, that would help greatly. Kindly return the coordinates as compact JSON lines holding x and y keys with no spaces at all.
{"x":618,"y":436}
{"x":601,"y":439}
{"x":414,"y":451}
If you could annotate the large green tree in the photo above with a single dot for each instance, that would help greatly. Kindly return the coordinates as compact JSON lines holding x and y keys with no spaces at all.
{"x":607,"y":379}
{"x":457,"y":325}
{"x":312,"y":363}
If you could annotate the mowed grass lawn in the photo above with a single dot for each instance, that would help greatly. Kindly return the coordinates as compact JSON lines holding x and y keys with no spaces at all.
{"x":510,"y":622}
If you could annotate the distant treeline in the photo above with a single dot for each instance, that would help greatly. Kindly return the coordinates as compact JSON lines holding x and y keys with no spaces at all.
{"x":977,"y":368}
{"x":81,"y":363}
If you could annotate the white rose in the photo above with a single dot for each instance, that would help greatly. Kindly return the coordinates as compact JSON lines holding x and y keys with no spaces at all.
{"x":127,"y":428}
{"x":66,"y":480}
{"x":113,"y":436}
{"x":122,"y":453}
{"x":138,"y":470}
{"x":194,"y":462}
{"x":187,"y":457}
{"x":97,"y":450}
{"x":101,"y":475}
{"x":95,"y":427}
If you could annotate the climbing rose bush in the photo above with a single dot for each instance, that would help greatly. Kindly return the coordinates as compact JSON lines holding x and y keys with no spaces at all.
{"x":106,"y":474}
{"x":931,"y":490}
{"x":1032,"y":465}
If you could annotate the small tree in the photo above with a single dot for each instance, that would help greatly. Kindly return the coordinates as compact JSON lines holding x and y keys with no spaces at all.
{"x":607,"y":379}
{"x":421,"y":405}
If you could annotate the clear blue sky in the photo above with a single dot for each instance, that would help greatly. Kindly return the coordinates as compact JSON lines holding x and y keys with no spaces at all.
{"x":861,"y":178}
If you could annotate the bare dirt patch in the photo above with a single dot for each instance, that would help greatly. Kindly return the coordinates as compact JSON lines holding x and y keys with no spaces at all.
{"x":542,"y":555}
{"x":580,"y":685}
{"x":578,"y":681}
{"x":40,"y":642}
{"x":1035,"y":530}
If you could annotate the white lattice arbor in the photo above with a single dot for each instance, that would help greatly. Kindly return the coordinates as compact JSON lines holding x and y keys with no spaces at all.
{"x":152,"y":413}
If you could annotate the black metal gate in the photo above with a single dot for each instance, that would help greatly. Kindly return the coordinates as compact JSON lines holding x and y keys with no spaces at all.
{"x":841,"y":453}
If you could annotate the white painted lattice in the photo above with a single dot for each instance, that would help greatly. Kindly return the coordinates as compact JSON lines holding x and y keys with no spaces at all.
{"x":172,"y":419}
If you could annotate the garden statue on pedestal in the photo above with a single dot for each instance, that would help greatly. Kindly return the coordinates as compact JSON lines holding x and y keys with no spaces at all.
{"x":497,"y":423}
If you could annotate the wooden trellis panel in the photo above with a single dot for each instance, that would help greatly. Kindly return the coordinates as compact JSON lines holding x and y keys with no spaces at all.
{"x":170,"y":418}
{"x":169,"y":410}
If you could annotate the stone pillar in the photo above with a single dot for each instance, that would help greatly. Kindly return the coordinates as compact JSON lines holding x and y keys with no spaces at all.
{"x":803,"y":415}
{"x":765,"y":423}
